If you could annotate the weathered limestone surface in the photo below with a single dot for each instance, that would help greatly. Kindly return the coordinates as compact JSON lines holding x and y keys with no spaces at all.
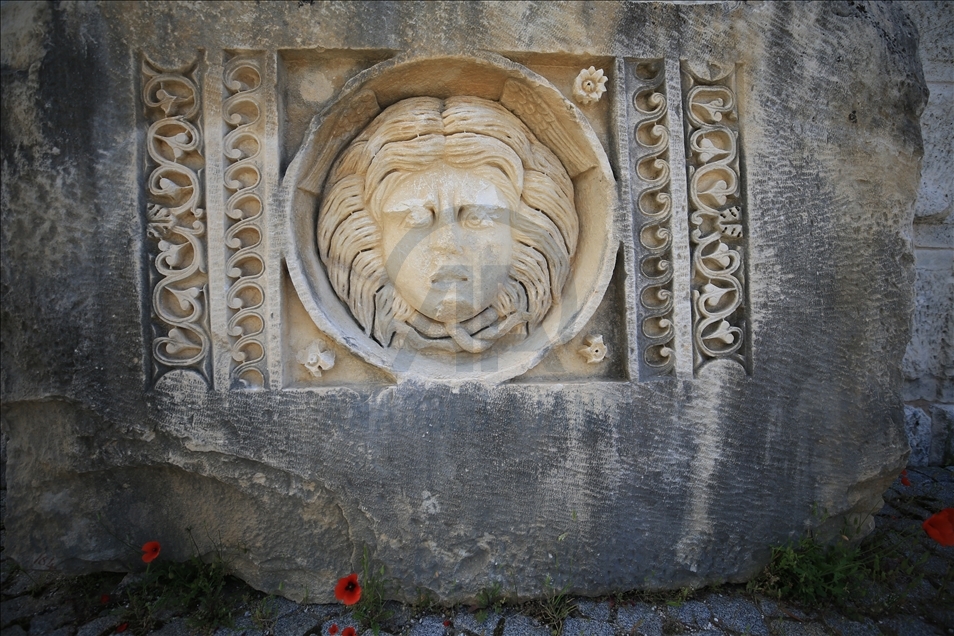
{"x":668,"y":462}
{"x":929,"y":360}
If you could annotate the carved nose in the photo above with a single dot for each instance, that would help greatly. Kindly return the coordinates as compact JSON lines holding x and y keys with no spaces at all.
{"x":446,"y":238}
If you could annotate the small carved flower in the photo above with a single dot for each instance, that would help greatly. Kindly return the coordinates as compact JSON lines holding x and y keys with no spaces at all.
{"x":589,"y":86}
{"x":317,"y":357}
{"x":595,"y":350}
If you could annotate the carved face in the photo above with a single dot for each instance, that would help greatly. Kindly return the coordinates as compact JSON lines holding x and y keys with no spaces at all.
{"x":446,"y":238}
{"x":438,"y":212}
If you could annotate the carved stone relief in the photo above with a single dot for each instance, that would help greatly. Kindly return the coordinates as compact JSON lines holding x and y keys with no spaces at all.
{"x":242,"y":147}
{"x":317,"y":357}
{"x":448,"y":448}
{"x":653,"y":203}
{"x":175,"y":222}
{"x":447,"y":226}
{"x":437,"y":223}
{"x":594,"y":350}
{"x":589,"y":86}
{"x":716,"y":218}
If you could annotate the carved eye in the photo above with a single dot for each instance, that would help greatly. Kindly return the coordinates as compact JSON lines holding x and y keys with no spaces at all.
{"x":479,"y":217}
{"x":419,"y":217}
{"x":415,"y":216}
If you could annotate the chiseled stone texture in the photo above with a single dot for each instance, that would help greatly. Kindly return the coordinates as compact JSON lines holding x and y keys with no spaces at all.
{"x":929,"y":360}
{"x":917,"y":423}
{"x":607,"y":483}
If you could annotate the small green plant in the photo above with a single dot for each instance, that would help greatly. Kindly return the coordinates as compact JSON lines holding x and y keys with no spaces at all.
{"x":265,"y":613}
{"x":813,"y":572}
{"x":426,"y":603}
{"x":555,"y":606}
{"x":489,"y":599}
{"x":679,"y":597}
{"x":370,"y":609}
{"x":195,"y":587}
{"x":673,"y":598}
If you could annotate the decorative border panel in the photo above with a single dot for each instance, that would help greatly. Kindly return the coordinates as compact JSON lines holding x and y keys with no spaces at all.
{"x":175,"y":222}
{"x":652,"y":200}
{"x":716,"y":219}
{"x":243,"y":111}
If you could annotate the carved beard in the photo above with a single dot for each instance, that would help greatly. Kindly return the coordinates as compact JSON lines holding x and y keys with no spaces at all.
{"x":475,"y":335}
{"x":505,"y":317}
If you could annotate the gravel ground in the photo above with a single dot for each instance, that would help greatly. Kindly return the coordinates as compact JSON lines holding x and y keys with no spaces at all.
{"x":918,"y":603}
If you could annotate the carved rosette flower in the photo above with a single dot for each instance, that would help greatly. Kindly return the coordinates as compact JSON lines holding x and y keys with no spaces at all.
{"x":589,"y":86}
{"x":595,"y":350}
{"x":316,"y":357}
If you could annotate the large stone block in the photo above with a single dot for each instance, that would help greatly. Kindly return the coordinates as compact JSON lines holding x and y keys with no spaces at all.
{"x":315,"y":280}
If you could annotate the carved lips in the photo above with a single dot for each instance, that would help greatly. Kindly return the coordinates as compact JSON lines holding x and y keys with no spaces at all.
{"x":450,"y":275}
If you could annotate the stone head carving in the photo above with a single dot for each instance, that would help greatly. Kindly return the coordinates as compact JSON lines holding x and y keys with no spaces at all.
{"x":446,"y":225}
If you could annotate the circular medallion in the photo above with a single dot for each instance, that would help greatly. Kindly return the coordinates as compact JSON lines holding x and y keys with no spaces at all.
{"x":450,"y":218}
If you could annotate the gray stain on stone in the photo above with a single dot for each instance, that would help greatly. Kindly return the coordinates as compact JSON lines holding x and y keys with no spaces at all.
{"x":606,"y":482}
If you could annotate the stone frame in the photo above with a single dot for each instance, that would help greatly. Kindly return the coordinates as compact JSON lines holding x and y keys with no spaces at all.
{"x":522,"y":92}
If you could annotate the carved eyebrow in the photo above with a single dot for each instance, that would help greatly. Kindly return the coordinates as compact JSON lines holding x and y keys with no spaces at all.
{"x":488,"y":209}
{"x":406,"y":206}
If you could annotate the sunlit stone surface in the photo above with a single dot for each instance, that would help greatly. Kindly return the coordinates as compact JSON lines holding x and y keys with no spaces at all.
{"x":310,"y":280}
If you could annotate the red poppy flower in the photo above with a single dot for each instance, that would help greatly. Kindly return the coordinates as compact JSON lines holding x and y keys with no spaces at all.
{"x":104,"y":599}
{"x":348,"y":631}
{"x":940,"y":526}
{"x":150,"y":551}
{"x":333,"y":629}
{"x":904,"y":478}
{"x":121,"y":627}
{"x":447,"y":623}
{"x":348,"y":591}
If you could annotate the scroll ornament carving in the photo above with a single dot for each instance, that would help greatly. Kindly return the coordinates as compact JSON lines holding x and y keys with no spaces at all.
{"x":175,"y":223}
{"x":716,"y":228}
{"x":242,"y":110}
{"x":654,"y":203}
{"x":447,"y":226}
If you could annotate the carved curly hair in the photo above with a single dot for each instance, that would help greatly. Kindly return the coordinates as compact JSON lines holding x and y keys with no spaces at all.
{"x":464,"y":132}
